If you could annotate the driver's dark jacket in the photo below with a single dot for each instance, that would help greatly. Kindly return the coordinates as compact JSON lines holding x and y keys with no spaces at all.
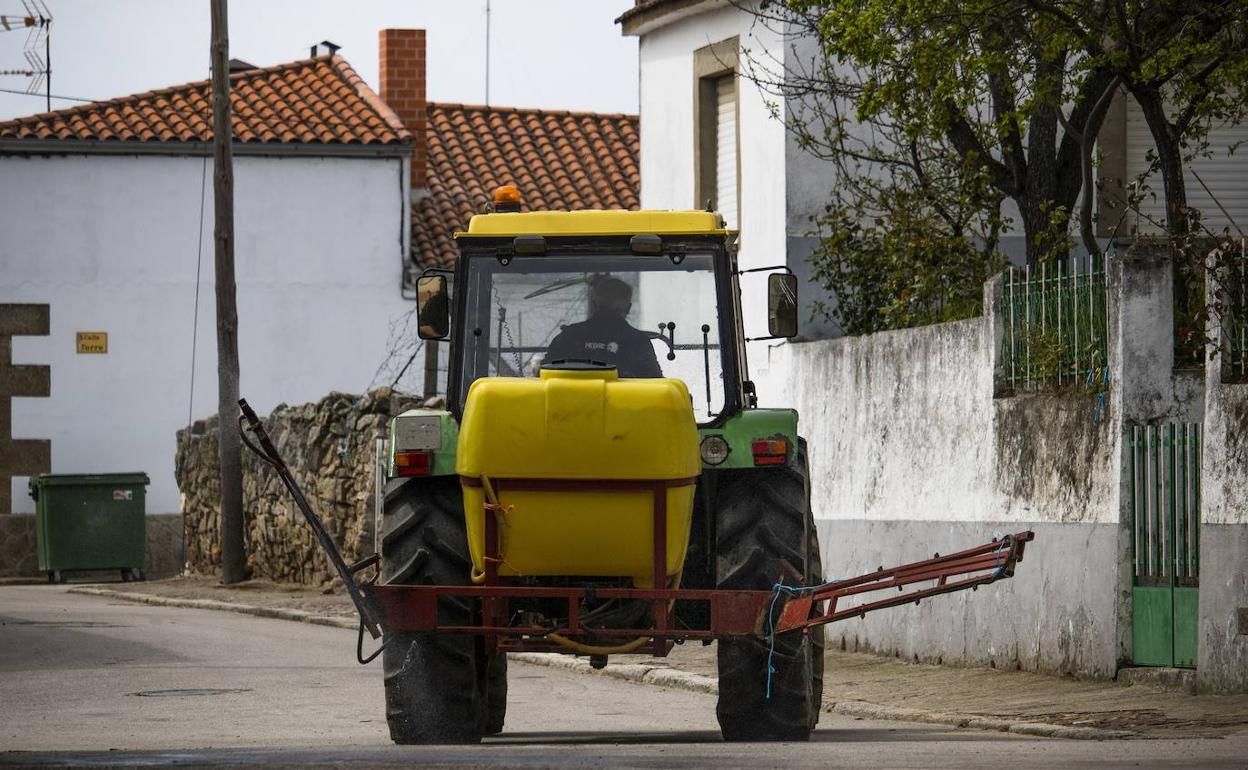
{"x":608,"y":338}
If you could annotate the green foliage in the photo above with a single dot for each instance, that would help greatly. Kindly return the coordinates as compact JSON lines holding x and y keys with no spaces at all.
{"x":902,"y":267}
{"x":936,"y":111}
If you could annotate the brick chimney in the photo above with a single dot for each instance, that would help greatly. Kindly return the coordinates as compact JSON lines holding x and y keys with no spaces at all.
{"x":402,"y":53}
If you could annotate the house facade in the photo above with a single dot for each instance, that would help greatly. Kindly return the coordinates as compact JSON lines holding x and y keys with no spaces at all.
{"x":107,"y":215}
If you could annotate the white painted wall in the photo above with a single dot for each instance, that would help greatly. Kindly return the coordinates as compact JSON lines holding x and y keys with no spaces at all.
{"x":667,"y":141}
{"x":903,"y":426}
{"x":110,"y":243}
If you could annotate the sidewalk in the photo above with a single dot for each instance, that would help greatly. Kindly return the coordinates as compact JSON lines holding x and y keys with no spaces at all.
{"x":858,"y":685}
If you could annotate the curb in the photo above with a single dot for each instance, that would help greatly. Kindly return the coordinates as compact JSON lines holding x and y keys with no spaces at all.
{"x":663,"y":676}
{"x":278,"y":613}
{"x":866,"y":710}
{"x":660,"y":676}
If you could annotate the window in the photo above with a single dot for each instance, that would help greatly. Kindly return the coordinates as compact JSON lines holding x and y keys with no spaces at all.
{"x":536,"y":310}
{"x":715,"y":143}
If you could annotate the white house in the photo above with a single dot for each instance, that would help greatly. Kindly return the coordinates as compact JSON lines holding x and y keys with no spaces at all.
{"x":912,"y":449}
{"x":106,"y":216}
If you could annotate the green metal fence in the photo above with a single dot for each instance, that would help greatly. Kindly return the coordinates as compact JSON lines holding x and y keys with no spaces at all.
{"x":1163,"y":468}
{"x":1055,"y":325}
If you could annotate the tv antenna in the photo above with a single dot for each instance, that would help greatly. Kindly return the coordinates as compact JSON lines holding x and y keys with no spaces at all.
{"x":37,"y":21}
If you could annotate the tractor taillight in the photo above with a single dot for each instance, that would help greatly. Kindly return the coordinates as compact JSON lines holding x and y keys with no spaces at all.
{"x":413,"y":463}
{"x":770,"y":451}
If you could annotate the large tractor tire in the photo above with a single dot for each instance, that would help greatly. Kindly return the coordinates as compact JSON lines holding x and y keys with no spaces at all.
{"x":818,"y":636}
{"x":434,"y":682}
{"x":765,"y":533}
{"x":494,"y":692}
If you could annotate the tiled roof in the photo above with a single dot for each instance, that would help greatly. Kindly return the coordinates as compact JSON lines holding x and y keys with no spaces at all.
{"x":561,"y":161}
{"x":312,"y":101}
{"x":645,"y":11}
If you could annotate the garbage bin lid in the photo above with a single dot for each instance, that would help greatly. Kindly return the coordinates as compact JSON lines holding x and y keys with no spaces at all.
{"x":89,"y":479}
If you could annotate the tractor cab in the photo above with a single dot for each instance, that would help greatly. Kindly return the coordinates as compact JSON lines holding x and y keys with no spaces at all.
{"x":649,"y":293}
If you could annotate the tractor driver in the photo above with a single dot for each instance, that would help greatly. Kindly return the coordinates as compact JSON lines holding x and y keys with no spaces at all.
{"x":606,"y":336}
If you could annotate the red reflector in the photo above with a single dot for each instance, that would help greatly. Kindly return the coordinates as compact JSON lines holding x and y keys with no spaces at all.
{"x":413,"y":463}
{"x":770,"y":451}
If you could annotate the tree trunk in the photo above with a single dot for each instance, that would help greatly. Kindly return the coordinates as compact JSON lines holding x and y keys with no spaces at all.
{"x":1170,"y":159}
{"x":233,"y":560}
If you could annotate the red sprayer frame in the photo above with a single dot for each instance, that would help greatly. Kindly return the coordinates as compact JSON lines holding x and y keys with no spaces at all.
{"x":730,"y":612}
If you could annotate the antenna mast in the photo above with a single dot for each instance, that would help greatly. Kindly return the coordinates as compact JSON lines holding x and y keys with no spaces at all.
{"x":487,"y":53}
{"x":38,"y":22}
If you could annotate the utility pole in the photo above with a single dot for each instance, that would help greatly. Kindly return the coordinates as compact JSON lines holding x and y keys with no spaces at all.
{"x":233,"y":560}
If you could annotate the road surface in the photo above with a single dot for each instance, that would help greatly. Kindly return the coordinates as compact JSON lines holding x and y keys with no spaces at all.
{"x":89,"y":681}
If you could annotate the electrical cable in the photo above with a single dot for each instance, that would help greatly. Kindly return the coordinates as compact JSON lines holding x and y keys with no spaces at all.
{"x":199,"y":263}
{"x":47,"y":96}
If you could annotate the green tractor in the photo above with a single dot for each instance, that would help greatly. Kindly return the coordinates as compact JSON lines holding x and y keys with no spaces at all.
{"x":602,"y":481}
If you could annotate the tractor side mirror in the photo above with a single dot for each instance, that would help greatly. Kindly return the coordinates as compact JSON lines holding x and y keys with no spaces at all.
{"x":782,"y":305}
{"x":433,"y":307}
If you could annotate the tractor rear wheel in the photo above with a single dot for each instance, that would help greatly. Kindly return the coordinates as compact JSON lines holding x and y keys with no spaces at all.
{"x":433,"y":681}
{"x":494,"y":691}
{"x":818,"y":637}
{"x":765,"y":534}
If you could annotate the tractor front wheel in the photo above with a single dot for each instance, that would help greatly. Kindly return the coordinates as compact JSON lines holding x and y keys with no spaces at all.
{"x":434,"y":691}
{"x":765,"y":533}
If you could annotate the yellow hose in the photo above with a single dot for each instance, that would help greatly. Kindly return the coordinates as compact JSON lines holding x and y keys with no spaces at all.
{"x":587,"y":649}
{"x":492,"y":499}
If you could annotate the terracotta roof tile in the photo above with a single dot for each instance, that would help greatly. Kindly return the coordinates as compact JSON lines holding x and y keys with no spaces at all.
{"x":561,"y":161}
{"x":314,"y":101}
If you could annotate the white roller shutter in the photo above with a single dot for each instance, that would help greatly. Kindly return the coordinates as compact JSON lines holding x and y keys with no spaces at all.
{"x":726,"y":148}
{"x":1225,"y":174}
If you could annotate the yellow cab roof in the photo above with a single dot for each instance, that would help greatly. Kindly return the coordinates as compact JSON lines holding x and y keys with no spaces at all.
{"x":612,"y":222}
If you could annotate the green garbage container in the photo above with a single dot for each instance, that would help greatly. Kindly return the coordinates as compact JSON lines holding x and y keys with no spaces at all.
{"x":90,"y":521}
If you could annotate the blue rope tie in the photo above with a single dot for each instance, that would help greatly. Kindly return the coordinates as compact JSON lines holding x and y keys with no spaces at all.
{"x":777,"y":590}
{"x":996,"y":557}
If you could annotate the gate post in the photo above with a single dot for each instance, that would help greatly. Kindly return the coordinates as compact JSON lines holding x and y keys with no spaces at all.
{"x":1223,"y":617}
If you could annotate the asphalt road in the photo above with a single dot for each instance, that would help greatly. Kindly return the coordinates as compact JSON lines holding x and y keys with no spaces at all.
{"x":86,"y":681}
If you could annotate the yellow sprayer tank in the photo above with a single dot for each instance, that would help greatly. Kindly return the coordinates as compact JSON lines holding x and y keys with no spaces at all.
{"x":580,"y":426}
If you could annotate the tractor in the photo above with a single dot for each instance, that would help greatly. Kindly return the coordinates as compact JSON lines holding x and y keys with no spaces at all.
{"x":602,"y":481}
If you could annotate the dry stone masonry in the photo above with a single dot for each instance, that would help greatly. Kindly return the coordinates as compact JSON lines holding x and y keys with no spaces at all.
{"x":330,"y":448}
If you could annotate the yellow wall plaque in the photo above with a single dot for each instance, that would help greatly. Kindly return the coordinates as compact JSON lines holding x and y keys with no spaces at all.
{"x":92,"y":342}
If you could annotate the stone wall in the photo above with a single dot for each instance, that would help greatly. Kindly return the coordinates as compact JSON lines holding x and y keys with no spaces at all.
{"x":329,"y":447}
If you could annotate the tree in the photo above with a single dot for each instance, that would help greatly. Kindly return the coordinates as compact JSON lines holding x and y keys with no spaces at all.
{"x":1184,"y":63}
{"x":994,"y":84}
{"x":954,"y":106}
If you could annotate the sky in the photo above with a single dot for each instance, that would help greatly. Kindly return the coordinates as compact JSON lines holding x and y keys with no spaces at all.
{"x":551,"y":54}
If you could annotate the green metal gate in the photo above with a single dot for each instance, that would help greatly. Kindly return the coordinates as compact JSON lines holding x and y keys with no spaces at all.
{"x":1164,"y":500}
